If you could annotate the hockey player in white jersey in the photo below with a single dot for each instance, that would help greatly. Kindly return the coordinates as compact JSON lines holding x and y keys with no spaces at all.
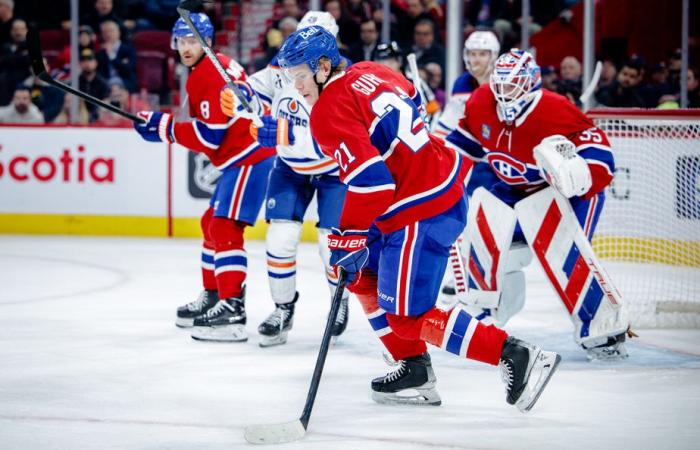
{"x":480,"y":52}
{"x":300,"y":171}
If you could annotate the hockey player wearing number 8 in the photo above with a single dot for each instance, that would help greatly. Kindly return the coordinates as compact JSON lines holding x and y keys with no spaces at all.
{"x":219,"y":312}
{"x":548,"y":167}
{"x":403,"y":209}
{"x":300,"y":171}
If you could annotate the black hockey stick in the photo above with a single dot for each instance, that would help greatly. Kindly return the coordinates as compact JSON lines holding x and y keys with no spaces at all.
{"x":280,"y":433}
{"x":37,"y":58}
{"x":184,"y":9}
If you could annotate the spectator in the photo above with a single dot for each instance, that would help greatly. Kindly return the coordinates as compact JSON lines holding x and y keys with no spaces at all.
{"x":47,"y":98}
{"x":102,"y":10}
{"x":607,"y":74}
{"x":406,"y":21}
{"x":287,"y":26}
{"x":15,"y":64}
{"x":90,"y":81}
{"x":570,"y":70}
{"x":64,"y":117}
{"x":434,"y":79}
{"x":549,"y":78}
{"x":624,"y":92}
{"x":369,"y":38}
{"x":22,"y":110}
{"x":425,"y":47}
{"x":161,"y":14}
{"x":122,"y":99}
{"x":571,"y":90}
{"x":657,"y":87}
{"x":348,"y":34}
{"x":291,"y":8}
{"x":359,"y":10}
{"x":7,"y":12}
{"x":116,"y":58}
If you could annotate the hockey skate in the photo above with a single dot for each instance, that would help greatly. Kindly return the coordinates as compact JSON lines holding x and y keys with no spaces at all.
{"x":225,"y":322}
{"x":274,"y":329}
{"x":341,"y":320}
{"x":526,"y":370}
{"x":412,"y":383}
{"x":187,"y":313}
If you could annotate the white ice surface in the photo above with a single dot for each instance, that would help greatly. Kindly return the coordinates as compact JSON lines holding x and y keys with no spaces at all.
{"x":90,"y":359}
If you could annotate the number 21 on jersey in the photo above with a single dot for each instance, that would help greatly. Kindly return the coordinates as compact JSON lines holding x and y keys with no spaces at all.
{"x":385,"y":103}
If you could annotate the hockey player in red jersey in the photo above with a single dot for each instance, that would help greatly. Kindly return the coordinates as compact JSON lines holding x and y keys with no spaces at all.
{"x":403,"y":209}
{"x":548,"y":166}
{"x":219,"y":312}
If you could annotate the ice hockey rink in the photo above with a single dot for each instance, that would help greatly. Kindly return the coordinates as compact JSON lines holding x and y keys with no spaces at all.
{"x":90,"y":359}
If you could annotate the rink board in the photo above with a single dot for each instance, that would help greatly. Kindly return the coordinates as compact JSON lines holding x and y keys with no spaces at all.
{"x":103,"y":182}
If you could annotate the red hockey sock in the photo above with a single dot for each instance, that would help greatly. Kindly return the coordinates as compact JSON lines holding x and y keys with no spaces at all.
{"x":455,"y":331}
{"x":230,"y":259}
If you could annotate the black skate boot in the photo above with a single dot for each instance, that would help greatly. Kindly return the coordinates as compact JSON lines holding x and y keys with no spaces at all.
{"x":412,"y":383}
{"x":225,"y":322}
{"x":341,"y":320}
{"x":526,"y":370}
{"x":274,"y":329}
{"x":187,"y":313}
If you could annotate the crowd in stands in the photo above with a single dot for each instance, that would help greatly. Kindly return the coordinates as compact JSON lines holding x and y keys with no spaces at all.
{"x":109,"y":48}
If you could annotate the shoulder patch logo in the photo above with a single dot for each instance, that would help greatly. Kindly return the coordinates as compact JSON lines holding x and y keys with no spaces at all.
{"x":485,"y":131}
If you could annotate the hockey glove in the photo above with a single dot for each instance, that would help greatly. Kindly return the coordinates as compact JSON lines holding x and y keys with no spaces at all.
{"x":231,"y":104}
{"x":349,"y":251}
{"x":562,"y":167}
{"x":158,"y":126}
{"x":274,"y":132}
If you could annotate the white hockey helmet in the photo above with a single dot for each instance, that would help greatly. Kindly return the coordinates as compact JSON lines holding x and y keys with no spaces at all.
{"x":320,"y":18}
{"x":481,"y":40}
{"x":515,"y":81}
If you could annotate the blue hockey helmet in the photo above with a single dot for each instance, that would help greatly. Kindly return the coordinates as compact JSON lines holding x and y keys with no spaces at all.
{"x":307,"y":46}
{"x":201,"y":23}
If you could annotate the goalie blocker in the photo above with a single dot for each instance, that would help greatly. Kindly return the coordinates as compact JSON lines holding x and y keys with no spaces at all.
{"x":551,"y":232}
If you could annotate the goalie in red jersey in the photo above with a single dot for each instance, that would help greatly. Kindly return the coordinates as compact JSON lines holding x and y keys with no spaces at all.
{"x":403,"y":209}
{"x":219,"y":312}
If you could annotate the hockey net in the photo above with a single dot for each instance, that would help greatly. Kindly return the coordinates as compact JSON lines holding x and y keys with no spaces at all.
{"x":648,"y":236}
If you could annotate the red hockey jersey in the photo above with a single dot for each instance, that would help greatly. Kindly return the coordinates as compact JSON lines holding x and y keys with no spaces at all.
{"x":225,"y":140}
{"x":368,"y":120}
{"x":508,"y":148}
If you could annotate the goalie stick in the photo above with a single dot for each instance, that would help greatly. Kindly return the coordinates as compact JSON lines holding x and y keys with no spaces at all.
{"x":291,"y":431}
{"x":184,"y":9}
{"x":37,"y":59}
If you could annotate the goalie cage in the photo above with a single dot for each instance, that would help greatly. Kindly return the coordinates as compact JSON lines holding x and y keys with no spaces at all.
{"x":648,"y":235}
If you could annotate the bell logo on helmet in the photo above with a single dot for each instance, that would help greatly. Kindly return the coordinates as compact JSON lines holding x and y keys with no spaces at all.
{"x":308,"y":32}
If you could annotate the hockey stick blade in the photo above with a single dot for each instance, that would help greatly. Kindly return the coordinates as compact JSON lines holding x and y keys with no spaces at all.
{"x":278,"y":433}
{"x":296,"y":429}
{"x":37,"y":60}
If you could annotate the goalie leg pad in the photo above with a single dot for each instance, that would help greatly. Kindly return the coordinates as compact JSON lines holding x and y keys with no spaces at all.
{"x":489,"y":234}
{"x":281,"y":243}
{"x":553,"y":232}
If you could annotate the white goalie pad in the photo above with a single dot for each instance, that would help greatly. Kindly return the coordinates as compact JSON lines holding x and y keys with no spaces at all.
{"x":559,"y":244}
{"x":489,"y":233}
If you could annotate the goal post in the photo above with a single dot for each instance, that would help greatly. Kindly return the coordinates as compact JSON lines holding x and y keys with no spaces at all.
{"x":649,"y":231}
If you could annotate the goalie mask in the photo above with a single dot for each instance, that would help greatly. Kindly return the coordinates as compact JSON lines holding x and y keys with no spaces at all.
{"x":515,"y":81}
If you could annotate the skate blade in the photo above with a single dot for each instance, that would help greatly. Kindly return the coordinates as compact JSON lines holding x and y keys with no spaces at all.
{"x":270,"y":341}
{"x":546,"y":364}
{"x":225,"y":333}
{"x":412,"y":396}
{"x":182,"y":322}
